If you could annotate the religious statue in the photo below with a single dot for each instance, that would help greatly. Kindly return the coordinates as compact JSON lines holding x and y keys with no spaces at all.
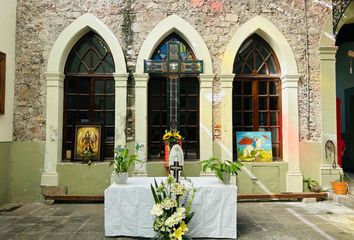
{"x":176,"y":161}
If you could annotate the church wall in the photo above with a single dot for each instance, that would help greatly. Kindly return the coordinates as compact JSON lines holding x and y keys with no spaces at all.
{"x":310,"y":159}
{"x":4,"y":172}
{"x":7,"y":46}
{"x":132,"y":21}
{"x":39,"y":23}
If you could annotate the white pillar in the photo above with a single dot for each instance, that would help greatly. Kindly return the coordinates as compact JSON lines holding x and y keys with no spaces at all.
{"x":328,"y":114}
{"x":54,"y":128}
{"x":206,"y":116}
{"x":226,"y":116}
{"x":120,"y":108}
{"x":141,"y":82}
{"x":290,"y":130}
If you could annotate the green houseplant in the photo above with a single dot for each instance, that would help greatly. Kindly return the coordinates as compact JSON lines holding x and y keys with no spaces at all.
{"x":122,"y":161}
{"x":340,"y":186}
{"x":312,"y":185}
{"x":222,"y":169}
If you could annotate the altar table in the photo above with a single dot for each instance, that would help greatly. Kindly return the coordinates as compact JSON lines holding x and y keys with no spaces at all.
{"x":127,"y":209}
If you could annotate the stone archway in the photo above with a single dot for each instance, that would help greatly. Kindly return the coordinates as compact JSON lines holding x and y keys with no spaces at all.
{"x":55,"y":82}
{"x":167,"y":26}
{"x":290,"y":77}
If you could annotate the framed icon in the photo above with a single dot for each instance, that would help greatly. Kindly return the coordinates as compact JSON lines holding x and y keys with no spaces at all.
{"x":88,"y":141}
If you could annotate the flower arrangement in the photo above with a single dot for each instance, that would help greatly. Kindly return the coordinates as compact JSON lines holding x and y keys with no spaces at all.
{"x":172,"y":208}
{"x":172,"y":137}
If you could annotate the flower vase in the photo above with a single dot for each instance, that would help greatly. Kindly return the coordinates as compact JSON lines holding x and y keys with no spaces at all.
{"x":226,"y":178}
{"x":121,"y":178}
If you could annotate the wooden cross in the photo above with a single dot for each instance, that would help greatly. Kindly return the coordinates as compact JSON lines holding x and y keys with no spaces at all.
{"x":176,"y":168}
{"x":173,"y":66}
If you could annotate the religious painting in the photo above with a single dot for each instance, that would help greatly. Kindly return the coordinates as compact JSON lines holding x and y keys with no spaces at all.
{"x":87,"y":142}
{"x":254,"y":146}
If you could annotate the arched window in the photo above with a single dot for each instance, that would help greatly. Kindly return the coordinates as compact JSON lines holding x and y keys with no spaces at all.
{"x":256,"y":93}
{"x":89,"y":93}
{"x":188,"y":103}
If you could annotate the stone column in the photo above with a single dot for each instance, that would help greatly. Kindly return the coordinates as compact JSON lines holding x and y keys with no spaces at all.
{"x":54,"y":128}
{"x":226,"y":116}
{"x":121,"y":80}
{"x":120,"y":108}
{"x":141,"y":82}
{"x":290,"y":129}
{"x":328,"y":115}
{"x":206,"y":116}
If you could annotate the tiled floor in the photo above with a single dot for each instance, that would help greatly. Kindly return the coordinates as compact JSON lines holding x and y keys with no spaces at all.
{"x":256,"y":220}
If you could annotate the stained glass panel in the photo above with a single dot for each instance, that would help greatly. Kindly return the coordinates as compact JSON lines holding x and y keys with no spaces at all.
{"x":90,"y":55}
{"x":185,"y":53}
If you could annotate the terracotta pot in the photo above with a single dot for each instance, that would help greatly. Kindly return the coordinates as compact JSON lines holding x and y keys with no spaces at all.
{"x":340,"y":188}
{"x":121,"y":178}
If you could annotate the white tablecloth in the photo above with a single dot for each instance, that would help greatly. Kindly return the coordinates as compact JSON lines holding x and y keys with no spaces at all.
{"x":127,"y":209}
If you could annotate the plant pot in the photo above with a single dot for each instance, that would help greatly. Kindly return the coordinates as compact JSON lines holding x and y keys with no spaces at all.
{"x":340,"y":188}
{"x":226,"y":178}
{"x":121,"y":178}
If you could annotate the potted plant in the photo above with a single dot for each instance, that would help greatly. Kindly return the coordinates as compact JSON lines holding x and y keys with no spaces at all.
{"x":122,"y":161}
{"x":312,"y":185}
{"x":340,"y":186}
{"x":223,"y":169}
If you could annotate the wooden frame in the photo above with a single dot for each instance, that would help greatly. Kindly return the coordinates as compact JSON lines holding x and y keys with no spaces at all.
{"x":88,"y":139}
{"x":247,"y":100}
{"x":2,"y":82}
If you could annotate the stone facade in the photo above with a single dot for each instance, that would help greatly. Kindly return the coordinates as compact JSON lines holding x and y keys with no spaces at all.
{"x":39,"y":23}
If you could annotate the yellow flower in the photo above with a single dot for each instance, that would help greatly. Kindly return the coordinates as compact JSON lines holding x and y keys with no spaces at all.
{"x":178,"y":233}
{"x":167,"y":135}
{"x":184,"y":227}
{"x":177,"y":135}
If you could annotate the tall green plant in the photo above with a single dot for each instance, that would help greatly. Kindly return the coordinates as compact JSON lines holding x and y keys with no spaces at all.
{"x":343,"y":177}
{"x":215,"y":164}
{"x":123,"y":160}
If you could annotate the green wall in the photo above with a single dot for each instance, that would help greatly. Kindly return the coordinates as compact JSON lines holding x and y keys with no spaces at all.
{"x":25,"y":161}
{"x":5,"y":149}
{"x":262,"y":177}
{"x":157,"y":169}
{"x":27,"y":164}
{"x":82,"y":179}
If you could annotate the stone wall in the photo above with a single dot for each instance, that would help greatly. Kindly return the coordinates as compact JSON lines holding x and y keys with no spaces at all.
{"x":39,"y":23}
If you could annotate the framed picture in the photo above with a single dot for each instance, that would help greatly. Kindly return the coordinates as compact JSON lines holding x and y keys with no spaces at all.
{"x":87,"y":142}
{"x":254,"y":146}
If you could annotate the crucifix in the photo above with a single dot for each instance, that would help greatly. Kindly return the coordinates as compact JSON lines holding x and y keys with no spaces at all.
{"x":176,"y":169}
{"x":173,"y":66}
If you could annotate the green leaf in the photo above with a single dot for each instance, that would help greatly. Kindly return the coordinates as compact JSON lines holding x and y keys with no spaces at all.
{"x":156,"y":199}
{"x":219,"y":174}
{"x":189,"y":218}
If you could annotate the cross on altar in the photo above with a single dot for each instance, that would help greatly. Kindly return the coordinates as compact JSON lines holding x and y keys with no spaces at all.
{"x":176,"y":169}
{"x":173,"y":66}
